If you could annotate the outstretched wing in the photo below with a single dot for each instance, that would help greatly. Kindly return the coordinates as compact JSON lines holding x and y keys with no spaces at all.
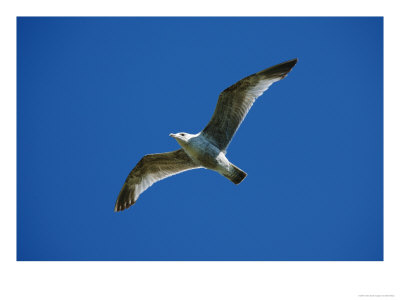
{"x":234,"y":103}
{"x":150,"y":169}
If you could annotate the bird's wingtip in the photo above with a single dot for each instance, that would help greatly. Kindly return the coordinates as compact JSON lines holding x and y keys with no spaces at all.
{"x":290,"y":63}
{"x":280,"y":70}
{"x":117,"y":208}
{"x":125,"y":199}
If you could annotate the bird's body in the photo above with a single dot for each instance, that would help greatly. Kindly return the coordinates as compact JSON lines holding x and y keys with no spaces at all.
{"x":204,"y":153}
{"x":207,"y":148}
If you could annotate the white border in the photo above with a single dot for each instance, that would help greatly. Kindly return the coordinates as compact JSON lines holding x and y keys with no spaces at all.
{"x":196,"y":280}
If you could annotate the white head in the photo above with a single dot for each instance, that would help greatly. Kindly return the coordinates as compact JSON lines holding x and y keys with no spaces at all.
{"x":182,"y":137}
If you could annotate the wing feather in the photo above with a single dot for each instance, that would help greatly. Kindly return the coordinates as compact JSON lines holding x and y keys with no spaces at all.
{"x":150,"y":169}
{"x":235,"y":102}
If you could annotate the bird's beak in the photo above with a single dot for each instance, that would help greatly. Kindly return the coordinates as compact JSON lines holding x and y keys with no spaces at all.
{"x":172,"y":135}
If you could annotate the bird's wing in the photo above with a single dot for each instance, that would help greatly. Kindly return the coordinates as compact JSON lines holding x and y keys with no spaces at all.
{"x":150,"y":169}
{"x":234,"y":103}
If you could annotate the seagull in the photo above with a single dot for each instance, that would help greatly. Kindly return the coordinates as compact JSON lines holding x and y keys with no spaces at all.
{"x":207,"y":148}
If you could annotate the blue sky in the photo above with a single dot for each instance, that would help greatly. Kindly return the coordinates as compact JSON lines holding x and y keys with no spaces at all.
{"x":96,"y":94}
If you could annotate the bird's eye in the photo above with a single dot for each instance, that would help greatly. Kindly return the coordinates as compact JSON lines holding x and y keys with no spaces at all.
{"x":182,"y":134}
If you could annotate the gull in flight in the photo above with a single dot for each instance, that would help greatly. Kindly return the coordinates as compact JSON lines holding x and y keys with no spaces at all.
{"x":207,"y":148}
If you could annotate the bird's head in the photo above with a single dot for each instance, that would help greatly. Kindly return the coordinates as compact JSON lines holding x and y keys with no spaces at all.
{"x":181,"y":137}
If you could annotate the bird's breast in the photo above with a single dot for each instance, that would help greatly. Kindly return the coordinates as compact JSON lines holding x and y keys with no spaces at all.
{"x":204,"y":153}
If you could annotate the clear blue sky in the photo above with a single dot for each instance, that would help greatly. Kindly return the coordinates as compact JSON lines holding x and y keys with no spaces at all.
{"x":96,"y":94}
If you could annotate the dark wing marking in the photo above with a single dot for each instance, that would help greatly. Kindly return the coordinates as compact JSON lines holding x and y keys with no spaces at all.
{"x":234,"y":103}
{"x":150,"y":169}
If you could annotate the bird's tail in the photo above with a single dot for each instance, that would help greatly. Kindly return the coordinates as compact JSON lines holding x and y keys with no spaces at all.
{"x":235,"y":174}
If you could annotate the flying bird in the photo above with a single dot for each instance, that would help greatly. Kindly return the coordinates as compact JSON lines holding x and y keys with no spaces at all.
{"x":207,"y":148}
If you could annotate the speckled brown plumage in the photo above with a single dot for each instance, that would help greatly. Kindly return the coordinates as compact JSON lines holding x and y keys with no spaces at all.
{"x":235,"y":101}
{"x":150,"y":169}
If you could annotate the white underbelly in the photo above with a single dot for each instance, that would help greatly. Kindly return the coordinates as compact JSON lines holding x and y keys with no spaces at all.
{"x":206,"y":154}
